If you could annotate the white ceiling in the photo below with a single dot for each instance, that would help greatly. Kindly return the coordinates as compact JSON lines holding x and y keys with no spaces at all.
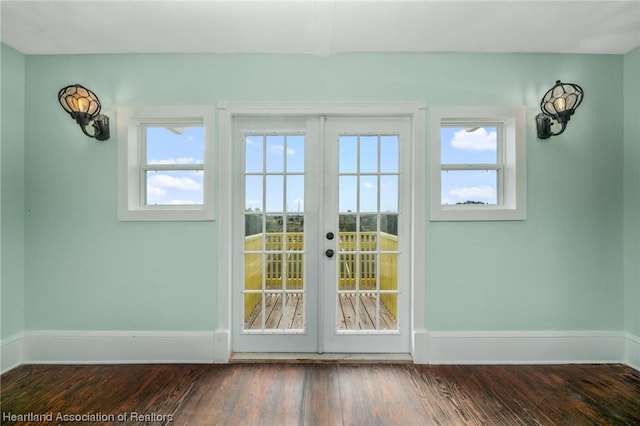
{"x":320,"y":27}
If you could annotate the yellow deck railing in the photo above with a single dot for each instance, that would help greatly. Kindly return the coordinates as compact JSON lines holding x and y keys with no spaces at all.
{"x":347,"y":257}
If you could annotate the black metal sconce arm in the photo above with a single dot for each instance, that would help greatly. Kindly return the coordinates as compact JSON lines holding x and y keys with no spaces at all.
{"x":543,"y":124}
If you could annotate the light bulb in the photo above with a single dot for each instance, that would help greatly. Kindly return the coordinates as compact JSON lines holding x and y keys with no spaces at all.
{"x":83,"y":105}
{"x":559,"y":104}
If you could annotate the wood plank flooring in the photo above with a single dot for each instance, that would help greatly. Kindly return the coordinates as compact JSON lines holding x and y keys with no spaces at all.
{"x":324,"y":394}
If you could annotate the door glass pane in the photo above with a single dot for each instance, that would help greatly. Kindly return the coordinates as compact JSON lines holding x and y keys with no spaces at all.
{"x":275,"y":193}
{"x":368,"y":273}
{"x":253,"y":232}
{"x":295,"y":193}
{"x":348,"y":193}
{"x":275,"y":153}
{"x":253,"y":193}
{"x":368,"y":193}
{"x":388,"y":226}
{"x":273,"y":310}
{"x":348,"y":156}
{"x":368,"y":154}
{"x":274,"y":235}
{"x":295,"y":154}
{"x":253,"y":157}
{"x":346,"y":271}
{"x":274,"y":262}
{"x":389,"y":193}
{"x":253,"y":274}
{"x":368,"y":235}
{"x":389,"y":147}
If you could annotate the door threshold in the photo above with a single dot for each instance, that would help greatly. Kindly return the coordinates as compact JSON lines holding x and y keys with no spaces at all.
{"x":311,"y":358}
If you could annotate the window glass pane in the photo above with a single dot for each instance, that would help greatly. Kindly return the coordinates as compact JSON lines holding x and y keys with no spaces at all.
{"x":471,"y":145}
{"x":368,"y":193}
{"x":348,"y":154}
{"x":295,"y":154}
{"x":253,"y":193}
{"x":389,"y":154}
{"x":175,"y":144}
{"x":254,"y":150}
{"x":368,"y":154}
{"x":275,"y":153}
{"x":174,"y":187}
{"x":469,"y":187}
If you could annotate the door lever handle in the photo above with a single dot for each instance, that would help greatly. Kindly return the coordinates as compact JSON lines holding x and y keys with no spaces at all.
{"x":329,"y":253}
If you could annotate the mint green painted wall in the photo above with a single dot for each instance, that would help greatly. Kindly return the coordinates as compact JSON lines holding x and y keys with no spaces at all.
{"x":559,"y":270}
{"x":632,"y":191}
{"x":12,"y":156}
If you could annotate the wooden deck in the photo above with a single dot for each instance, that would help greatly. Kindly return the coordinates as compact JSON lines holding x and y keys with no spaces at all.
{"x":293,"y":313}
{"x":325,"y":394}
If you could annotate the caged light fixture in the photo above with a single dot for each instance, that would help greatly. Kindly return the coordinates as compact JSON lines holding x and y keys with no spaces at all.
{"x":84,"y":106}
{"x":559,"y":103}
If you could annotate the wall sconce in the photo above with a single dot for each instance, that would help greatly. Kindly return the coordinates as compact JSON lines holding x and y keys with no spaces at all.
{"x":559,"y":103}
{"x":84,"y":106}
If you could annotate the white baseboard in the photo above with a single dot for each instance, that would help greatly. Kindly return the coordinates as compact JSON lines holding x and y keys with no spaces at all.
{"x":632,"y":351}
{"x":131,"y":347}
{"x":115,"y":347}
{"x":11,"y":352}
{"x":521,"y":347}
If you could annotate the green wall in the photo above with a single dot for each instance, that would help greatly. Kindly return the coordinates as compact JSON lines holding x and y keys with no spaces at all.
{"x":561,"y":269}
{"x":12,"y":154}
{"x":632,"y":191}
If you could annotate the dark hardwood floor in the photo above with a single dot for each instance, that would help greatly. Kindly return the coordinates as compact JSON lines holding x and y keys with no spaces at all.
{"x":321,"y":394}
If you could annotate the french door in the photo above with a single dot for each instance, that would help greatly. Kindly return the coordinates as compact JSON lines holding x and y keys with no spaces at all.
{"x":322,"y":241}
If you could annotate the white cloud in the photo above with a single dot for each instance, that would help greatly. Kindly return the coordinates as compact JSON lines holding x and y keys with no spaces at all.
{"x":183,"y":202}
{"x":478,"y":140}
{"x":155,"y":192}
{"x":178,"y":160}
{"x":280,"y":148}
{"x":368,"y":185}
{"x":474,"y":192}
{"x":165,"y":181}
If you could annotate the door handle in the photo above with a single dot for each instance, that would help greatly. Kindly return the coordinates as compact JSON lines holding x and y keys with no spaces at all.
{"x":330,"y":235}
{"x":329,"y":253}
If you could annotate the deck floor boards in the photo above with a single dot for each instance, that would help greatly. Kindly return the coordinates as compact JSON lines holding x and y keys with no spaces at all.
{"x":326,"y":394}
{"x":292,"y":318}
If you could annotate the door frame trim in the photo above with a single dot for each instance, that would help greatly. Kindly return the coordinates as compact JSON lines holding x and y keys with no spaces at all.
{"x":416,"y":111}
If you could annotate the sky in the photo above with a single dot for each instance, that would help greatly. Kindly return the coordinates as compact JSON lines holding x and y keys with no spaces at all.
{"x":459,"y":146}
{"x":282,"y":158}
{"x":173,"y":146}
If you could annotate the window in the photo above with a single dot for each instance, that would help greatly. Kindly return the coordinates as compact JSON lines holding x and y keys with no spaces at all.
{"x":165,"y":163}
{"x":477,"y":163}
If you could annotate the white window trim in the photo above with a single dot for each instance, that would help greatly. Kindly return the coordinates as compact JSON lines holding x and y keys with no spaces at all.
{"x":130,"y":193}
{"x":512,"y":200}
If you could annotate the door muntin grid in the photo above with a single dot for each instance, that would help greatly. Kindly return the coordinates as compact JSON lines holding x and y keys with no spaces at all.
{"x":368,"y":198}
{"x":274,"y":290}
